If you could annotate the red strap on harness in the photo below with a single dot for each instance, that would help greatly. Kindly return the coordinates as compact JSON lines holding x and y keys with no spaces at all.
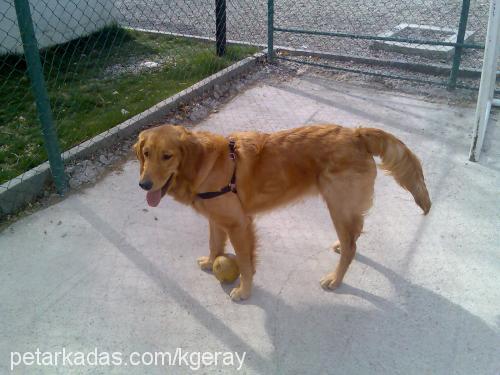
{"x":231,"y":187}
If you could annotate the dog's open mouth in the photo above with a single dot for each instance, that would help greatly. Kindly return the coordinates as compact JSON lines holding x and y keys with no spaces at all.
{"x":154,"y":197}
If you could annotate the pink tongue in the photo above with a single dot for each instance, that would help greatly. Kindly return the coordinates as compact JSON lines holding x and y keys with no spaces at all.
{"x":153,"y":197}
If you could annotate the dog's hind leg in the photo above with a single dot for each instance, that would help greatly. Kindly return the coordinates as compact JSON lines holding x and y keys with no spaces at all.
{"x":336,"y":245}
{"x":218,"y":239}
{"x":348,"y":228}
{"x":348,"y":197}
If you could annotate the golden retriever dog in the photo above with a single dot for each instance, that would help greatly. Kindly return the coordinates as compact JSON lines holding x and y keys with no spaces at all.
{"x":271,"y":170}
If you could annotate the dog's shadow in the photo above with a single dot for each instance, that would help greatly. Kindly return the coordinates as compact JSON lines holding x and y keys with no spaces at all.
{"x":421,"y":333}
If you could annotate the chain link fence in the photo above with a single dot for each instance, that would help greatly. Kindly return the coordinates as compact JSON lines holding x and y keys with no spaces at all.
{"x":352,"y":20}
{"x":71,"y":70}
{"x":101,"y":62}
{"x":391,"y":39}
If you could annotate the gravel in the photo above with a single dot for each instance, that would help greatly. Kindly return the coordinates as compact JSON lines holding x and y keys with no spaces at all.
{"x":198,"y":113}
{"x":247,"y":21}
{"x":104,"y":160}
{"x":133,"y":65}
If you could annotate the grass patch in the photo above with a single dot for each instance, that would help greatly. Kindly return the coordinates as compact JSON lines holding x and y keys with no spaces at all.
{"x":92,"y":81}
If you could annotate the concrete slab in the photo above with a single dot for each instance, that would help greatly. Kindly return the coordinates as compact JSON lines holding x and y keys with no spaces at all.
{"x":101,"y":270}
{"x":426,"y":50}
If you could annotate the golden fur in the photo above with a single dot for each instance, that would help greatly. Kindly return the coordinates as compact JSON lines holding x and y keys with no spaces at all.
{"x":273,"y":170}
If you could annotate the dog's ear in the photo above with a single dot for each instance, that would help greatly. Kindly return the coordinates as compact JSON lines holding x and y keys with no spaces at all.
{"x":191,"y":152}
{"x":138,"y":150}
{"x":185,"y":139}
{"x":182,"y":131}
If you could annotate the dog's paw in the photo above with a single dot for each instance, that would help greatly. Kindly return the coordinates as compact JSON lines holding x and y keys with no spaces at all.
{"x":205,"y":263}
{"x":238,"y":294}
{"x":336,"y":247}
{"x":330,"y":281}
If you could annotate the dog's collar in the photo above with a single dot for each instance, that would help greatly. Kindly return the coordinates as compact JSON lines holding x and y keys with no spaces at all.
{"x":231,"y":187}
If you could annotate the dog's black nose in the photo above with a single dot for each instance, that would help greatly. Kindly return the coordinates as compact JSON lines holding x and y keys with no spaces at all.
{"x":146,"y":185}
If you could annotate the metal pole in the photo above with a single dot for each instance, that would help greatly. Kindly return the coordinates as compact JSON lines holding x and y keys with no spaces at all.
{"x":35,"y":72}
{"x":462,"y":26}
{"x":220,"y":26}
{"x":270,"y":30}
{"x":488,"y":80}
{"x":375,"y":37}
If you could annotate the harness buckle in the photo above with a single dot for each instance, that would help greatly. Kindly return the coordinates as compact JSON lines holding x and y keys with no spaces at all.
{"x":232,"y":152}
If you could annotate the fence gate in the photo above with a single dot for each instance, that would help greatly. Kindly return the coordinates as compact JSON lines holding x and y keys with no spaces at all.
{"x":438,"y":42}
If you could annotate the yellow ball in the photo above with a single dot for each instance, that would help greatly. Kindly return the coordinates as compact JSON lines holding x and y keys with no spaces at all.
{"x":225,"y":268}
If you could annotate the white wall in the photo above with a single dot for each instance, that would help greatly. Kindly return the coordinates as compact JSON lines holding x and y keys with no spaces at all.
{"x":55,"y":21}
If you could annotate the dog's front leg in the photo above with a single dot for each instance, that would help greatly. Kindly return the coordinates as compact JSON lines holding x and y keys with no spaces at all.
{"x":242,"y":237}
{"x":218,"y":238}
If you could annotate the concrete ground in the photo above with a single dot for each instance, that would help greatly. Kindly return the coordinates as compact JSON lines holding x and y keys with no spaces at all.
{"x":102,"y":270}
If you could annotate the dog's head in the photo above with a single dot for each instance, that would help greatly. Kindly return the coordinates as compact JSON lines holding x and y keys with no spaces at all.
{"x":160,"y":152}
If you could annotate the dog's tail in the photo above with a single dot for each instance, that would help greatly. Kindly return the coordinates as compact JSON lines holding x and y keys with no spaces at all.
{"x":399,"y":161}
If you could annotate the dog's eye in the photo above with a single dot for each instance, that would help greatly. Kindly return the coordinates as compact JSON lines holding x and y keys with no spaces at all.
{"x":166,"y":156}
{"x":146,"y":154}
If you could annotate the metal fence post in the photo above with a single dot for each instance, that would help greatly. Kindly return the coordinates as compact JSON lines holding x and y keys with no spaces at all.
{"x":35,"y":72}
{"x":270,"y":30}
{"x":485,"y":97}
{"x":457,"y":56}
{"x":220,"y":26}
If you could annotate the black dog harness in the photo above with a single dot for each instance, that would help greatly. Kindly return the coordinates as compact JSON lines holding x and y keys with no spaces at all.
{"x":232,"y":185}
